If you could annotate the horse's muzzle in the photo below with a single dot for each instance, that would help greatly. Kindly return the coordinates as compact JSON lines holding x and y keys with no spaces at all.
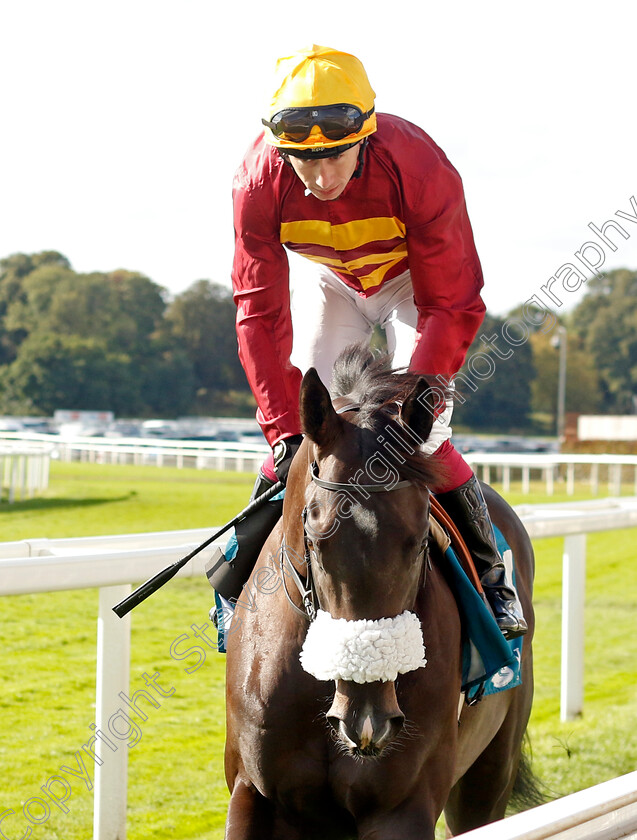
{"x":365,"y":718}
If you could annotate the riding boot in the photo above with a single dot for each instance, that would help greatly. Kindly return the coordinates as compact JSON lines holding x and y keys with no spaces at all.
{"x":228,"y":572}
{"x":467,"y":507}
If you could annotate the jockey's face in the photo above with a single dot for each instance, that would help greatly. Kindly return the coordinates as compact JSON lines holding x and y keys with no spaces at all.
{"x":326,"y":178}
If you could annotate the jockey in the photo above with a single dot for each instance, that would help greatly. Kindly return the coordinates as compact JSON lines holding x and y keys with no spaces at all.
{"x":375,"y":205}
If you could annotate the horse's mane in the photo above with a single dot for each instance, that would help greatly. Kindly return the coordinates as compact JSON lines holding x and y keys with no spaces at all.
{"x":367,"y":378}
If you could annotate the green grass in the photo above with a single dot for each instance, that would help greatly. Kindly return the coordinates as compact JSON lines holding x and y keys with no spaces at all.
{"x":601,"y":744}
{"x":89,"y":499}
{"x":176,"y":787}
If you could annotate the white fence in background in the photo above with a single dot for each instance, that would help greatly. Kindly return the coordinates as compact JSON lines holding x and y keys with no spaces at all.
{"x":114,"y":563}
{"x":604,"y":812}
{"x":159,"y":452}
{"x":504,"y":467}
{"x":24,"y":470}
{"x":247,"y":457}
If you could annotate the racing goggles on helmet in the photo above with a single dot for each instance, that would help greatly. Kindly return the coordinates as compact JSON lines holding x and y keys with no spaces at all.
{"x":336,"y":122}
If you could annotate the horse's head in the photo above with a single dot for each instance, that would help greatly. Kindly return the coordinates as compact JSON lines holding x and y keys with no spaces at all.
{"x":365,"y":524}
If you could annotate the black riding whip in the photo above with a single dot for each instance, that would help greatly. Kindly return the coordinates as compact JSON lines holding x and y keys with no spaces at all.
{"x":154,"y":583}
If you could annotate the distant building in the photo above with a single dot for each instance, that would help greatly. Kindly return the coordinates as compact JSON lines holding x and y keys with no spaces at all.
{"x":600,"y":427}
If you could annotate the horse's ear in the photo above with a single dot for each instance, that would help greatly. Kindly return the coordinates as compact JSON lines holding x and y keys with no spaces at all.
{"x":319,"y":421}
{"x":419,"y":409}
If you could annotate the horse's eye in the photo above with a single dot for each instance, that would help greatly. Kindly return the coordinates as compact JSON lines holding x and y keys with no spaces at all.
{"x":313,"y":511}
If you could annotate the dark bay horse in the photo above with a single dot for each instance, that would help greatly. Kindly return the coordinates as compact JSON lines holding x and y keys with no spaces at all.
{"x":336,"y":727}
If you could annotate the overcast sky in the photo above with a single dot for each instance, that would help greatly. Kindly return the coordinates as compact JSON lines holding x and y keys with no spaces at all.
{"x":123,"y":122}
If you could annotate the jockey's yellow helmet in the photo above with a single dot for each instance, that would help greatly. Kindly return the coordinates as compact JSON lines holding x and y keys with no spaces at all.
{"x":323,"y":101}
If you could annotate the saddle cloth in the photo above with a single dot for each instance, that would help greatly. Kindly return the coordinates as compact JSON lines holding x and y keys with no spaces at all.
{"x":490,"y":663}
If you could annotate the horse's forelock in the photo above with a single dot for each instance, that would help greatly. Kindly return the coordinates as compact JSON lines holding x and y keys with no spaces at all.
{"x":357,"y":369}
{"x":400,"y":447}
{"x":367,"y":378}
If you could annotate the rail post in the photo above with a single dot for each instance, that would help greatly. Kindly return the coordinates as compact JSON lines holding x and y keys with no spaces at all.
{"x":573,"y":596}
{"x":113,"y":669}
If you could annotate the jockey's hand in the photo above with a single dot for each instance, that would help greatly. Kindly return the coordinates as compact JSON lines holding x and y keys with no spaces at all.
{"x":284,"y":451}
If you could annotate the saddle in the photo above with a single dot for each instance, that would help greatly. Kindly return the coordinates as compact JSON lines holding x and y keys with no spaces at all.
{"x":444,"y":533}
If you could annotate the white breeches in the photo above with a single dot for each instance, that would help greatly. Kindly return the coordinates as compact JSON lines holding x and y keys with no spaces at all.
{"x":327,"y":316}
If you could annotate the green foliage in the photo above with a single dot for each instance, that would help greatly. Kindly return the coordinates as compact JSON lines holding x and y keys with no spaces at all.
{"x":54,"y":370}
{"x":606,"y":322}
{"x":202,"y":320}
{"x":14,"y":271}
{"x":583,"y":389}
{"x":114,"y":341}
{"x":99,"y":341}
{"x":500,"y":401}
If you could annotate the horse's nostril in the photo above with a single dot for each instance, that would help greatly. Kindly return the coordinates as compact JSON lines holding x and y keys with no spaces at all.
{"x":386,"y":732}
{"x":333,"y":721}
{"x":397,"y":722}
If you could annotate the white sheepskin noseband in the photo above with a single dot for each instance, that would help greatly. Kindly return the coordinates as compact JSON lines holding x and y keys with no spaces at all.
{"x":363,"y":651}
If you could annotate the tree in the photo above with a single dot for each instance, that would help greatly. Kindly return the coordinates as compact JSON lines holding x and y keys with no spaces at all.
{"x":202,"y":319}
{"x":606,"y":323}
{"x":497,"y":389}
{"x":165,"y":382}
{"x":14,"y":273}
{"x":583,"y":390}
{"x":62,"y":371}
{"x":90,"y":341}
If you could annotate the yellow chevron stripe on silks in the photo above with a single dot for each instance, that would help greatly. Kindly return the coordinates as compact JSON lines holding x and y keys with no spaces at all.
{"x":343,"y":237}
{"x":377,"y":276}
{"x":367,"y":281}
{"x":391,"y":257}
{"x":349,"y":236}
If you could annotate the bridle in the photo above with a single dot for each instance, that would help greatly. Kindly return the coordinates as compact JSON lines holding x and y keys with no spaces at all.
{"x":307,"y":589}
{"x":347,"y":486}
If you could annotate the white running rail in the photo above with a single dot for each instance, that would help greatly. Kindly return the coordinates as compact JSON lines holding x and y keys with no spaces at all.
{"x":160,"y":452}
{"x":247,"y":457}
{"x":551,"y":467}
{"x":604,"y":812}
